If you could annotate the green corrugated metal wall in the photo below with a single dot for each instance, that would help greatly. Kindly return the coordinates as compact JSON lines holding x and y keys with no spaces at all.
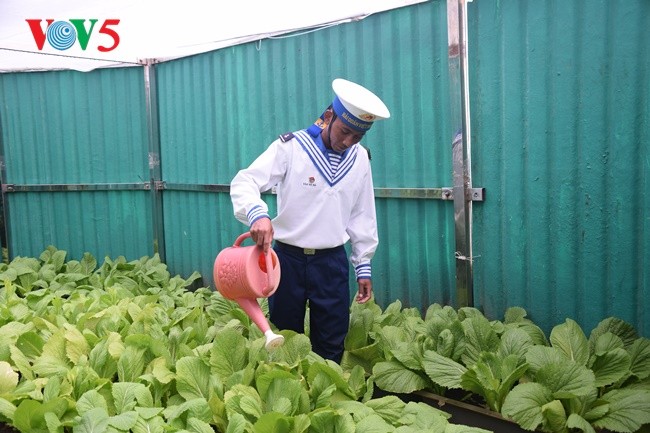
{"x":76,"y":128}
{"x":559,"y":128}
{"x":560,"y":99}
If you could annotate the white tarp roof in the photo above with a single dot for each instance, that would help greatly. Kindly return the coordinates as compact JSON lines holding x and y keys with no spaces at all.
{"x":162,"y":29}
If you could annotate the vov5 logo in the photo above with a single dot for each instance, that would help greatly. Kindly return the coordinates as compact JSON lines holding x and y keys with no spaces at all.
{"x":63,"y":34}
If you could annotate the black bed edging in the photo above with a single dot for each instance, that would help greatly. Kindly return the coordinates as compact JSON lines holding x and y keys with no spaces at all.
{"x":469,"y":414}
{"x":461,"y":412}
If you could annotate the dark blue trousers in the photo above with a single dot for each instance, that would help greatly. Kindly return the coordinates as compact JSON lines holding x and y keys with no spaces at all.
{"x":322,"y":280}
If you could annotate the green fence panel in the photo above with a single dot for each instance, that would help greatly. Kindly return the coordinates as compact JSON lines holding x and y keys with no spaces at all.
{"x":560,"y":101}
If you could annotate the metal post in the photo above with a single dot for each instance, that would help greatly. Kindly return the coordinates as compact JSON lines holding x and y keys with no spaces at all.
{"x":461,"y":148}
{"x":4,"y":205}
{"x":155,"y":171}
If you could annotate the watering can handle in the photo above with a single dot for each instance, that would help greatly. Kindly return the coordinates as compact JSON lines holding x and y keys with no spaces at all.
{"x":269,"y":262}
{"x":241,"y":238}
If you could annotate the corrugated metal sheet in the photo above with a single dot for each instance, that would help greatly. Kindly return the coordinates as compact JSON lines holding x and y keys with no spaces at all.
{"x":76,"y":128}
{"x":218,"y":111}
{"x":560,"y":109}
{"x":103,"y":223}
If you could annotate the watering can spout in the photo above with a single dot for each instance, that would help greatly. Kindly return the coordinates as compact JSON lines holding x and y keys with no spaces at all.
{"x":243,"y":274}
{"x":253,"y":310}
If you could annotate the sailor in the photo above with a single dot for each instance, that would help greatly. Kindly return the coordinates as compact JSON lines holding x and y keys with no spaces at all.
{"x":325,"y":198}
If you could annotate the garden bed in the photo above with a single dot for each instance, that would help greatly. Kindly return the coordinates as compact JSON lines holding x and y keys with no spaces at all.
{"x":124,"y":343}
{"x":506,"y":370}
{"x":126,"y":347}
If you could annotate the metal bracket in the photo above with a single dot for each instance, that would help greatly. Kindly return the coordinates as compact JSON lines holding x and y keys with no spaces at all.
{"x":474,"y":194}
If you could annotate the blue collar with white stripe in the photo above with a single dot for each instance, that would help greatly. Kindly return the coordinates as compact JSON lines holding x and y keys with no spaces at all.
{"x":315,"y":148}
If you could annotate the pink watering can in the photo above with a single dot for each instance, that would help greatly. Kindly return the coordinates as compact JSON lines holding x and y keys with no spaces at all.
{"x":243,"y":274}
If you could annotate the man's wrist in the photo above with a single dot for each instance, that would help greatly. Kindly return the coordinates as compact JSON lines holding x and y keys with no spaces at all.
{"x":256,"y":213}
{"x":363,"y":271}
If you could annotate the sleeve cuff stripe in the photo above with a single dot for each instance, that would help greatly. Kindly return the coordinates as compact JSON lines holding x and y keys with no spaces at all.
{"x":256,"y":213}
{"x":363,"y":271}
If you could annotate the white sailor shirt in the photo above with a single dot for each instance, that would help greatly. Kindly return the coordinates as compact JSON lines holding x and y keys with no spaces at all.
{"x":322,"y":202}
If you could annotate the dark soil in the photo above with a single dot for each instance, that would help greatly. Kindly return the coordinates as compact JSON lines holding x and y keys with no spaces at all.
{"x":6,"y":428}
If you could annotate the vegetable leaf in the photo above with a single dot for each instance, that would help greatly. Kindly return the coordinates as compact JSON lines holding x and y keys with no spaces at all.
{"x":127,"y":395}
{"x":571,"y":341}
{"x":229,"y":353}
{"x":525,"y":402}
{"x":480,"y":338}
{"x":90,"y":400}
{"x":540,"y":356}
{"x":124,"y":421}
{"x":283,"y":395}
{"x":7,"y":409}
{"x":566,"y":379}
{"x":607,"y":342}
{"x":575,"y":421}
{"x":193,"y":378}
{"x":389,"y":408}
{"x":493,"y":377}
{"x":273,"y":422}
{"x":29,"y":416}
{"x":554,"y":416}
{"x":296,"y":347}
{"x":373,"y":424}
{"x":237,"y":424}
{"x":392,"y":376}
{"x":94,"y":421}
{"x":628,"y":410}
{"x":151,"y":425}
{"x":640,"y":358}
{"x":617,"y":327}
{"x":515,"y":341}
{"x":8,"y":378}
{"x":611,"y":366}
{"x":443,"y":371}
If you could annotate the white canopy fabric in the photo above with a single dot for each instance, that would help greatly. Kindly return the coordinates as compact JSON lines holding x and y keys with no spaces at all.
{"x":160,"y":30}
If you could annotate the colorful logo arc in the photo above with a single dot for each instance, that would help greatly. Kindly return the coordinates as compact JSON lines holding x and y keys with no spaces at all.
{"x":62,"y":35}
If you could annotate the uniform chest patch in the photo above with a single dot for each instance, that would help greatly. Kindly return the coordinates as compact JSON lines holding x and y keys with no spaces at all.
{"x":310,"y":181}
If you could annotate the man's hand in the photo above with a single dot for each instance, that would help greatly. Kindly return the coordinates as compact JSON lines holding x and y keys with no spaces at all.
{"x":262,"y":233}
{"x":365,"y":290}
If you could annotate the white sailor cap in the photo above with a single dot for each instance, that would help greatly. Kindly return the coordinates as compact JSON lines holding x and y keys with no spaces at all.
{"x":357,"y":106}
